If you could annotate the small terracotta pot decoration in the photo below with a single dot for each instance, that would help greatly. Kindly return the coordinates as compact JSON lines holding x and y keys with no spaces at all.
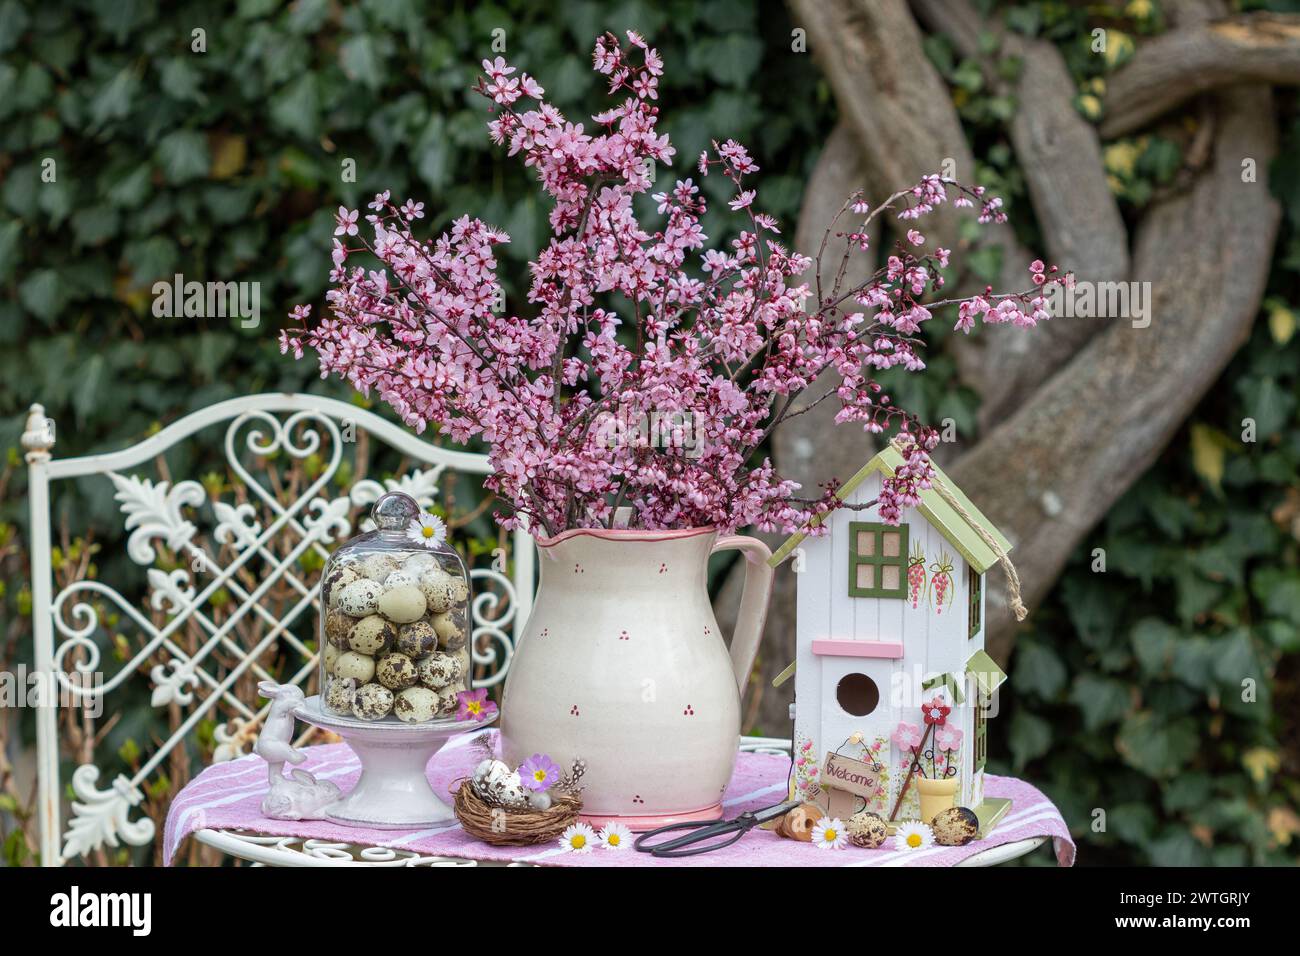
{"x":798,"y":823}
{"x":936,"y":795}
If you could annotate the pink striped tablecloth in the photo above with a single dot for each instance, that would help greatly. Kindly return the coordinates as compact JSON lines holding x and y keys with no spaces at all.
{"x":227,"y":796}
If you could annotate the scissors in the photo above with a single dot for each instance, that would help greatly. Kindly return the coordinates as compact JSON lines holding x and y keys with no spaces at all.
{"x":705,"y":833}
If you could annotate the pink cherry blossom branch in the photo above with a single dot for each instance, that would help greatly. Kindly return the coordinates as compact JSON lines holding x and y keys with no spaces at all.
{"x":724,"y":338}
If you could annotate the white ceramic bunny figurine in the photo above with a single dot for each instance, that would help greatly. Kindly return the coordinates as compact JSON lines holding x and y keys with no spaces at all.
{"x":299,"y":796}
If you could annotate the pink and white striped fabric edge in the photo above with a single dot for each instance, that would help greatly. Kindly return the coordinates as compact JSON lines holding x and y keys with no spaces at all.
{"x":227,"y":796}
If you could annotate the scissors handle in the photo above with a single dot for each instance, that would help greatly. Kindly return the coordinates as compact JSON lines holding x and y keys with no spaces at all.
{"x":697,"y":842}
{"x":698,"y":832}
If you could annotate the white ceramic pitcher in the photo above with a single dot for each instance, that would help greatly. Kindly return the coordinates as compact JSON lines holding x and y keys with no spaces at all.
{"x":622,"y":665}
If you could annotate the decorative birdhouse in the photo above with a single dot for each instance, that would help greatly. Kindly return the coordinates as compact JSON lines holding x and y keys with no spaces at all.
{"x":891,"y":678}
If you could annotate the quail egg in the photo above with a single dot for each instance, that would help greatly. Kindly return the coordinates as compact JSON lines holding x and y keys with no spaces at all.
{"x":402,"y":605}
{"x":955,"y":826}
{"x":360,"y":598}
{"x":416,"y":705}
{"x":498,"y":785}
{"x":378,"y":566}
{"x":459,"y":589}
{"x":419,"y":562}
{"x":359,"y":667}
{"x":372,"y":702}
{"x":450,"y":633}
{"x":337,"y":580}
{"x":439,"y":670}
{"x":866,"y":829}
{"x":402,"y":578}
{"x":416,"y":639}
{"x":447,"y":702}
{"x":337,"y":627}
{"x":372,"y":635}
{"x":396,"y":671}
{"x":439,"y":593}
{"x":339,"y":695}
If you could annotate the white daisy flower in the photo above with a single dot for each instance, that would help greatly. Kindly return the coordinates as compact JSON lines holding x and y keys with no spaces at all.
{"x":427,"y":530}
{"x":578,"y":838}
{"x":913,"y":836}
{"x":615,"y":836}
{"x":829,"y":834}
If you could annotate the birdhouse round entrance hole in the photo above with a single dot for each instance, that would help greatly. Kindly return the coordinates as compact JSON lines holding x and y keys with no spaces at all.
{"x":857,"y":694}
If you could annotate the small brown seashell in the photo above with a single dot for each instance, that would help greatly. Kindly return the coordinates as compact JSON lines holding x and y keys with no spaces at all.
{"x":798,"y":823}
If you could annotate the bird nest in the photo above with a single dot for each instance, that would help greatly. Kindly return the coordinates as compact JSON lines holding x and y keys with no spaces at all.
{"x":503,"y":826}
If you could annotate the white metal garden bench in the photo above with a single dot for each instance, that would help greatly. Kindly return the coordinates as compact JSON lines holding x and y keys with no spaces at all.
{"x":221,"y":562}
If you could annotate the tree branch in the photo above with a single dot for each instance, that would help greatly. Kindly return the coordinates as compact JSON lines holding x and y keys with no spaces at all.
{"x":1060,"y":157}
{"x":1175,"y":66}
{"x":1047,"y":475}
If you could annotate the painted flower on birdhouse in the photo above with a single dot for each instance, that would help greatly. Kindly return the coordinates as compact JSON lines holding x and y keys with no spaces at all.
{"x":936,"y":711}
{"x":916,"y":574}
{"x":907,"y":736}
{"x":941,"y":584}
{"x":948,"y":738}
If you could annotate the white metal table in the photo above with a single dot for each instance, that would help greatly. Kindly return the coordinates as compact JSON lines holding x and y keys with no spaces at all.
{"x":263,"y":850}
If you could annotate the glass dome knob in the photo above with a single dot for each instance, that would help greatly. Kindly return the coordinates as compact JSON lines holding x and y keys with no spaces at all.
{"x":394,"y":511}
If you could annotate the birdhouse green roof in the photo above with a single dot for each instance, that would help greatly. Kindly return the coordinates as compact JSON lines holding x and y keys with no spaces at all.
{"x":957,"y":530}
{"x":986,"y":672}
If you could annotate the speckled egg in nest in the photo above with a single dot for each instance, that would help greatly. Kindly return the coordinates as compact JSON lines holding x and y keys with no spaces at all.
{"x":867,"y":830}
{"x":955,"y":826}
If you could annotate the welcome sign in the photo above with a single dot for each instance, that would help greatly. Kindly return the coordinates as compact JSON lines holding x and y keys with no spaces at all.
{"x":844,"y":780}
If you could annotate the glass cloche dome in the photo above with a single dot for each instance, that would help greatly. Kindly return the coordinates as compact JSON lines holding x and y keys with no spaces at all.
{"x":394,"y":627}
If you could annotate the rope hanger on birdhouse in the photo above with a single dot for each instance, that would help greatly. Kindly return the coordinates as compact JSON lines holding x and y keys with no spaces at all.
{"x":1013,"y":579}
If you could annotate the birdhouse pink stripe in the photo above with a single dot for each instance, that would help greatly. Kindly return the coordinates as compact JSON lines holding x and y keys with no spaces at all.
{"x":830,"y":647}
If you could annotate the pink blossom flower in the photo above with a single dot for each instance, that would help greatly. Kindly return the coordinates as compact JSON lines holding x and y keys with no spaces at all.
{"x":474,"y":705}
{"x":346,"y":220}
{"x":742,"y":200}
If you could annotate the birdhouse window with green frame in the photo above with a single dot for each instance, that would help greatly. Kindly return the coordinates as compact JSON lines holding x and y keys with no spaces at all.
{"x":877,"y":560}
{"x":975,"y":591}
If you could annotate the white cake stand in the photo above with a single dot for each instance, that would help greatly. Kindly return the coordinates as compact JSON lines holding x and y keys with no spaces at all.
{"x":392,"y":792}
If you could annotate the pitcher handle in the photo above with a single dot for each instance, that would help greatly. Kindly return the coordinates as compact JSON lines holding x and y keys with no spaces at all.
{"x":753,"y":603}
